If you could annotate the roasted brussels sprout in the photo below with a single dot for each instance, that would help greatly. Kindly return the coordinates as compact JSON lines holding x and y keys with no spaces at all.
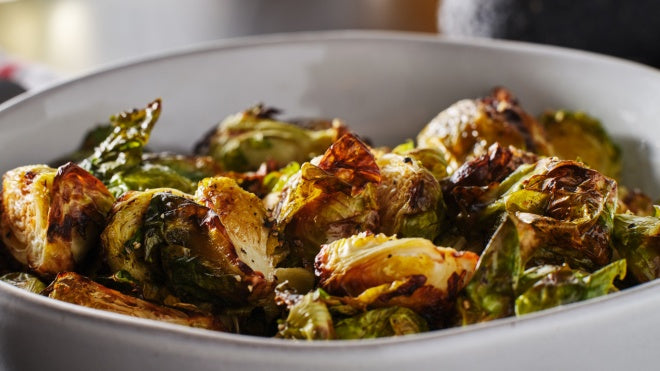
{"x":564,"y":214}
{"x":474,"y":187}
{"x":565,"y":286}
{"x":466,"y":129}
{"x":161,"y":238}
{"x":25,"y":281}
{"x":333,"y":200}
{"x":637,"y":239}
{"x":74,"y":288}
{"x":409,"y":198}
{"x":122,"y":240}
{"x":578,"y":136}
{"x":500,"y":288}
{"x":242,"y":142}
{"x":384,"y":271}
{"x":50,"y":217}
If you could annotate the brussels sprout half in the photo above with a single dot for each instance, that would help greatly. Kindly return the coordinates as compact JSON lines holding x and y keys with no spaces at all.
{"x":466,"y":129}
{"x":242,"y":142}
{"x":385,"y":271}
{"x":246,"y":222}
{"x":308,"y":318}
{"x":333,"y":200}
{"x":168,"y":243}
{"x":51,"y":218}
{"x":564,"y":214}
{"x":381,"y":322}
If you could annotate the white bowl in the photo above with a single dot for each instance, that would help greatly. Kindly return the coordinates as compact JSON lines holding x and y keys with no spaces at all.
{"x":386,"y":86}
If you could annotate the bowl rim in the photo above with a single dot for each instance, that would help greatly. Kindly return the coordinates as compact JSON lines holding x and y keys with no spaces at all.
{"x":45,"y":306}
{"x":27,"y":301}
{"x":301,"y":37}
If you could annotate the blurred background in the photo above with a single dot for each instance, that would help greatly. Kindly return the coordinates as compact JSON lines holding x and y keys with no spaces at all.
{"x":73,"y":36}
{"x":45,"y":40}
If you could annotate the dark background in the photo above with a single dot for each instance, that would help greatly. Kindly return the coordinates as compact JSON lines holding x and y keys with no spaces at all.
{"x":624,"y":28}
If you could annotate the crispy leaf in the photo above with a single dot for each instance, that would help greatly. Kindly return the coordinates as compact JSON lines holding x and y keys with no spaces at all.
{"x":351,"y":160}
{"x":194,"y":168}
{"x":476,"y":191}
{"x":122,"y":149}
{"x":147,"y":176}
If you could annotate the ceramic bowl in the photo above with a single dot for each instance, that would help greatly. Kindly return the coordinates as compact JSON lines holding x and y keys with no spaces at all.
{"x":385,"y":86}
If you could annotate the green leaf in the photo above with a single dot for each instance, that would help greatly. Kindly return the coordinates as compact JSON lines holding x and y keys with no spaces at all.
{"x":382,"y":322}
{"x":491,"y":292}
{"x":143,"y":177}
{"x":122,"y":149}
{"x":566,"y":285}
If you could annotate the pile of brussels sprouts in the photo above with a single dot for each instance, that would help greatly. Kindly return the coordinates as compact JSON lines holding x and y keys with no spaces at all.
{"x":302,"y":230}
